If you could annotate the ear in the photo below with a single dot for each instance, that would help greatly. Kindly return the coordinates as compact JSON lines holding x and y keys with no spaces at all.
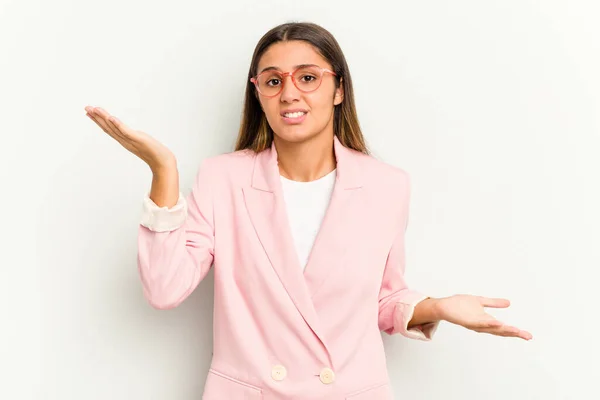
{"x":339,"y":93}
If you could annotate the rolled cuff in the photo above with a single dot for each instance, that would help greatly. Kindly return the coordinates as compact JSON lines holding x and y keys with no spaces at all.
{"x":163,"y":219}
{"x":403,"y":313}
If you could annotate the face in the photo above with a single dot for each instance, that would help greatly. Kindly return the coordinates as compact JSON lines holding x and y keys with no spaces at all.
{"x":318,"y":105}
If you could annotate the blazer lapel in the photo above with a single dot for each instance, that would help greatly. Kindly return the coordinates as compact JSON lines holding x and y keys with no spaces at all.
{"x":337,"y":229}
{"x":266,"y":206}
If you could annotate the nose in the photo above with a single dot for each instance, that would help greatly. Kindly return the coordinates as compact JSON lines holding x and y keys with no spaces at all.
{"x":289,"y":92}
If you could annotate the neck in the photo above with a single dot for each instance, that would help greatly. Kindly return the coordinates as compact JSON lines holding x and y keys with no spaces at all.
{"x":307,"y":160}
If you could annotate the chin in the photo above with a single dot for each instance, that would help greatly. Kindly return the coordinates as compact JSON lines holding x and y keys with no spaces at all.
{"x":295,"y":136}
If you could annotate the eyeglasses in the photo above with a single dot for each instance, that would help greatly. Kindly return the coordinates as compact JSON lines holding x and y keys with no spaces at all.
{"x":307,"y":79}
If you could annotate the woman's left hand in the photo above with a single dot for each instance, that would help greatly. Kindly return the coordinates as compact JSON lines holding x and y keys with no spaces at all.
{"x":468,"y":311}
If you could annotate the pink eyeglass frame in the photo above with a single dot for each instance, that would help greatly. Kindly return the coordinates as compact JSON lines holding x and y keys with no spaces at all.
{"x":291,"y":75}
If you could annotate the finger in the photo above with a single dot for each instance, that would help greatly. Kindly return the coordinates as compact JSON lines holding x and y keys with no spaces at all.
{"x":492,"y":324}
{"x":96,"y":119}
{"x":103,"y":118}
{"x":104,"y":127}
{"x":98,"y":116}
{"x":525,"y":335}
{"x":485,"y":325}
{"x":494,"y":302}
{"x":498,"y":331}
{"x":130,"y":136}
{"x":509,"y":331}
{"x":133,"y":140}
{"x":120,"y":127}
{"x":117,"y":126}
{"x":124,"y":138}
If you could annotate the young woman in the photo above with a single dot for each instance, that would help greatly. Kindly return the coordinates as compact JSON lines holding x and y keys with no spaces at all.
{"x":305,"y":231}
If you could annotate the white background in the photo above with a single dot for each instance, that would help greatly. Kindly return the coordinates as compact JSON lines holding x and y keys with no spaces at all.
{"x":493,"y":107}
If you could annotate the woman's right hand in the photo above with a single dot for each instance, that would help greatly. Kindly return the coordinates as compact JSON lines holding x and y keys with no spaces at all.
{"x":150,"y":150}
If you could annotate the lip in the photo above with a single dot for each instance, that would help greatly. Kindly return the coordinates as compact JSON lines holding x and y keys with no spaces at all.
{"x":291,"y":110}
{"x":294,"y":121}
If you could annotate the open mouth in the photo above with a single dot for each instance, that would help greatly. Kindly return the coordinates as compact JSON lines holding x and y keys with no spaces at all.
{"x":294,"y":117}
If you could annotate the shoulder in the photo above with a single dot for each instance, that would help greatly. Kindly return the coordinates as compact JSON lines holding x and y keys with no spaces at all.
{"x":228,"y":168}
{"x":387,"y":187}
{"x":383,"y":175}
{"x":232,"y":160}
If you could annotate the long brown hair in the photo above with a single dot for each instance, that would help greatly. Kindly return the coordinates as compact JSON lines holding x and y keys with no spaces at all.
{"x":255,"y":132}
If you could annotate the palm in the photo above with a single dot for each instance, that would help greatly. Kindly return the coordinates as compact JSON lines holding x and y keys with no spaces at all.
{"x":469,"y":311}
{"x":147,"y":148}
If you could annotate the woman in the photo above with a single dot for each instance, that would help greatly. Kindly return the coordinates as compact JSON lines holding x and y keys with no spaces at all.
{"x":306,"y":233}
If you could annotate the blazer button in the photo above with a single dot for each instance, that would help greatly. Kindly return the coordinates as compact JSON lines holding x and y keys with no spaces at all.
{"x":327,"y":376}
{"x":278,"y":373}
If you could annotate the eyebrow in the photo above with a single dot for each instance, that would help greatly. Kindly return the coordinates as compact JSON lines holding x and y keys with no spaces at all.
{"x":273,"y":68}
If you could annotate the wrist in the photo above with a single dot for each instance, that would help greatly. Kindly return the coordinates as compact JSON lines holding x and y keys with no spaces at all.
{"x":426,"y":311}
{"x":437,"y":309}
{"x":165,"y":168}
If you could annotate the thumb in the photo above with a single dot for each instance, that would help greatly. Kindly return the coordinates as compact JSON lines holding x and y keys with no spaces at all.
{"x":494,"y":302}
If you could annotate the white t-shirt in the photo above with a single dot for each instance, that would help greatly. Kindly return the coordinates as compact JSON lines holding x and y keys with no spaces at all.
{"x":306,"y":204}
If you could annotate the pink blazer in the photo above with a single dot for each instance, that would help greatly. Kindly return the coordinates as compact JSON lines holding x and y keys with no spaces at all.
{"x":281,"y":332}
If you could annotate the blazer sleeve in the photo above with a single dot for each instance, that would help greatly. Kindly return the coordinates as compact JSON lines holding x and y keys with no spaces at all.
{"x":396,"y":300}
{"x":176,"y":245}
{"x":163,"y":219}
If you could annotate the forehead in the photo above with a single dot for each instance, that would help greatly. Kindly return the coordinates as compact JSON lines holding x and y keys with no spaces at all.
{"x":285,"y":55}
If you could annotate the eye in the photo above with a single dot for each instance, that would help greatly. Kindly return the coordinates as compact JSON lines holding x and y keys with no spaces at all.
{"x":308,"y":78}
{"x":273,"y":82}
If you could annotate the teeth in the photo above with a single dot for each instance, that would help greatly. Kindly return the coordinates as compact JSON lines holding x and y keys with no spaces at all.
{"x":294,"y":115}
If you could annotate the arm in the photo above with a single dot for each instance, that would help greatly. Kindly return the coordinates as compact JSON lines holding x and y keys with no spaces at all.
{"x":397,"y":302}
{"x":176,"y":245}
{"x":425,"y":312}
{"x":165,"y":185}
